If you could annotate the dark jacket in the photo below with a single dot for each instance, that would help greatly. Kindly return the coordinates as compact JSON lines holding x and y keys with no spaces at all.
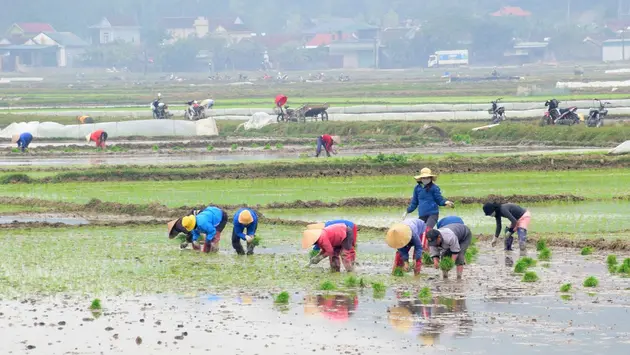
{"x":510,"y":211}
{"x":426,"y":199}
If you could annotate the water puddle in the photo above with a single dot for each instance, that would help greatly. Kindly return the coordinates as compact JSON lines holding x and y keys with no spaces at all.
{"x":73,"y":221}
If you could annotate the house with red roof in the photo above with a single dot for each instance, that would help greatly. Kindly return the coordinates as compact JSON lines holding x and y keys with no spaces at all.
{"x":20,"y":32}
{"x":511,"y":11}
{"x":113,"y":29}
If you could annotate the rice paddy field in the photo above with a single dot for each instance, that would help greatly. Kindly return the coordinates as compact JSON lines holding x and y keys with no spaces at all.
{"x":87,"y":267}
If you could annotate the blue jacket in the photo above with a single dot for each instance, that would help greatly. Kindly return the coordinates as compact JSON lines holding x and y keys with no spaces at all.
{"x":25,"y":140}
{"x":449,"y":220}
{"x":417,"y":228}
{"x":207,"y":222}
{"x":239,"y":228}
{"x":330,"y":223}
{"x":427,"y":201}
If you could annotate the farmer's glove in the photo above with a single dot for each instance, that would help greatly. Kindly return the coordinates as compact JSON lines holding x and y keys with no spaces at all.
{"x":404,"y":215}
{"x":249,"y":238}
{"x":317,"y":258}
{"x":450,"y":204}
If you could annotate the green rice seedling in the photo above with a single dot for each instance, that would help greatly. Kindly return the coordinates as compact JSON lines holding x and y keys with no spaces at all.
{"x":279,"y":145}
{"x":611,"y":259}
{"x":406,"y":294}
{"x":624,"y":268}
{"x":591,"y":281}
{"x":471,"y":254}
{"x":313,"y":253}
{"x":15,"y":150}
{"x":591,"y":294}
{"x":351,"y":281}
{"x":282,"y":298}
{"x":520,"y":267}
{"x":255,"y":145}
{"x":541,"y":244}
{"x":424,"y":294}
{"x":327,"y":286}
{"x":529,"y":261}
{"x":612,"y":269}
{"x":426,"y":258}
{"x":234,"y":146}
{"x":446,"y":264}
{"x":565,"y":288}
{"x":155,"y":148}
{"x":96,"y":305}
{"x":378,"y":287}
{"x":362,"y":283}
{"x":256,"y":241}
{"x":178,"y":148}
{"x":586,"y":251}
{"x":398,"y":272}
{"x":530,"y":276}
{"x":267,"y":146}
{"x":544,"y":254}
{"x":566,"y":297}
{"x":210,"y":148}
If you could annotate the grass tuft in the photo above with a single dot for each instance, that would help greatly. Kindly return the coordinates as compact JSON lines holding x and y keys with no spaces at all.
{"x":586,"y":251}
{"x":96,"y":305}
{"x":530,"y":276}
{"x":624,"y":268}
{"x":282,"y":298}
{"x":611,"y":259}
{"x":520,"y":267}
{"x":591,"y":281}
{"x":565,"y":288}
{"x":234,"y":146}
{"x":541,"y":244}
{"x":279,"y":145}
{"x":210,"y":148}
{"x":267,"y":146}
{"x":544,"y":254}
{"x":327,"y":286}
{"x":529,"y":261}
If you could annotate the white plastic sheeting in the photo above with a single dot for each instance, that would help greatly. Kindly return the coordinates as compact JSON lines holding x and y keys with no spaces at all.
{"x":146,"y":128}
{"x":592,"y":84}
{"x":259,"y":120}
{"x":623,"y":148}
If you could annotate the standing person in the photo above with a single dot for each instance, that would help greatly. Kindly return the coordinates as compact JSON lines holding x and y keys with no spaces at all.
{"x":349,"y":224}
{"x":245,"y":220}
{"x":450,"y":241}
{"x":335,"y":241}
{"x":327,"y":141}
{"x":404,"y":236}
{"x":210,"y":221}
{"x":519,"y":218}
{"x":22,"y":140}
{"x":427,"y":198}
{"x":449,"y":220}
{"x":99,"y":136}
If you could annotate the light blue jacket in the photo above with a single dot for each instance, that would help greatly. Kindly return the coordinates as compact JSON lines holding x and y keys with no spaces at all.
{"x":207,"y":222}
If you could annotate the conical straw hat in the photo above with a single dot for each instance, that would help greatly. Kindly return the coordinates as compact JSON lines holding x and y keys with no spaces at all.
{"x":425,"y":173}
{"x":315,"y":226}
{"x":400,"y":318}
{"x":309,"y":237}
{"x":15,"y":138}
{"x":398,"y":235}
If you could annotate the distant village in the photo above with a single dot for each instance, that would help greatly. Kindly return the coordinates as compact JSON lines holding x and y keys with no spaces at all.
{"x":348,"y":43}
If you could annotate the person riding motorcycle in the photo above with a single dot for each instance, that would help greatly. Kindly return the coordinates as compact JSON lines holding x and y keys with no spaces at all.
{"x":154,"y":105}
{"x":193,"y":108}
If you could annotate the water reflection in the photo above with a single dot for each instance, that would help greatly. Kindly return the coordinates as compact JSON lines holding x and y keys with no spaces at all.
{"x":439,"y":315}
{"x":333,"y":307}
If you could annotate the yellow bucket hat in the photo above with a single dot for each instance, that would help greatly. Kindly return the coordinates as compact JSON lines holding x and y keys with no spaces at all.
{"x":189,"y":222}
{"x":315,"y":226}
{"x":398,"y":235}
{"x":310,"y":236}
{"x":425,"y":173}
{"x":400,"y":318}
{"x":15,"y":138}
{"x":245,"y":217}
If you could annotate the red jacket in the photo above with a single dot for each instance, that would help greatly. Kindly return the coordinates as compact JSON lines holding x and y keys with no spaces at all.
{"x":328,"y":142}
{"x":96,"y":135}
{"x":331,"y":238}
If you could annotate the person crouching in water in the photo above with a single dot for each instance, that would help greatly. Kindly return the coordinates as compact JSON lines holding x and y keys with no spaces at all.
{"x":210,"y":221}
{"x":404,"y":236}
{"x":427,"y":198}
{"x":450,"y":242}
{"x":348,"y":224}
{"x":335,"y":241}
{"x":327,"y":141}
{"x":99,"y":136}
{"x":449,"y":220}
{"x":22,"y":140}
{"x":245,"y":220}
{"x":519,"y":222}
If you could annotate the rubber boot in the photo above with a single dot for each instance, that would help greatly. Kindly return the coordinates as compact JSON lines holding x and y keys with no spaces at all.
{"x":335,"y":264}
{"x":418,"y":267}
{"x":183,"y":246}
{"x":445,"y":274}
{"x":347,"y":264}
{"x":460,"y":271}
{"x":206,"y":247}
{"x":397,"y":262}
{"x":509,"y":262}
{"x":508,"y":243}
{"x":250,"y":248}
{"x":522,"y":238}
{"x":196,"y":246}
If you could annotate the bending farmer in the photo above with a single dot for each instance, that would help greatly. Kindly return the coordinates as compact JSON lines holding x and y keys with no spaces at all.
{"x":210,"y":221}
{"x":450,"y":241}
{"x":449,"y":220}
{"x":330,"y":223}
{"x":519,"y":222}
{"x":327,"y":141}
{"x":22,"y":140}
{"x":335,"y":240}
{"x":100,"y":137}
{"x":245,"y":220}
{"x":404,"y":236}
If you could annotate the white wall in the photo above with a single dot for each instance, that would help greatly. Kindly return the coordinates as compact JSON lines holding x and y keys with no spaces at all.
{"x":614,"y":53}
{"x":109,"y":35}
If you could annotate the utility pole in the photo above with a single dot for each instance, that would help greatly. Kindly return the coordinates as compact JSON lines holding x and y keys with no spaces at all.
{"x":568,"y":11}
{"x":619,"y":8}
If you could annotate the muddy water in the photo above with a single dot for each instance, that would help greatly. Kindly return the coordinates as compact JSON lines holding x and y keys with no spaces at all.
{"x":43,"y":219}
{"x":581,"y":217}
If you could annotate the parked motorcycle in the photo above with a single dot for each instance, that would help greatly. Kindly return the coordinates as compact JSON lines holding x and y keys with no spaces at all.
{"x":197,"y":111}
{"x":497,"y":112}
{"x":343,"y":78}
{"x":555,"y":115}
{"x":161,"y":111}
{"x":596,"y":115}
{"x":286,"y":115}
